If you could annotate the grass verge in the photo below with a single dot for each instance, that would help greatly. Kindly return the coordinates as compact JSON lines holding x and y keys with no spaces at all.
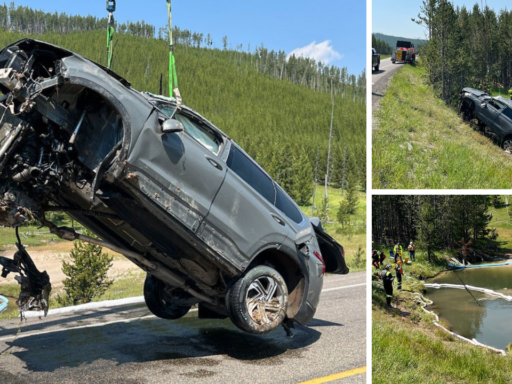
{"x":408,"y":347}
{"x":423,"y":144}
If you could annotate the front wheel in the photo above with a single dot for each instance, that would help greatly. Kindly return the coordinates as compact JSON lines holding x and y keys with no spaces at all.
{"x":161,"y":302}
{"x":257,"y":302}
{"x":393,"y":61}
{"x":465,"y":110}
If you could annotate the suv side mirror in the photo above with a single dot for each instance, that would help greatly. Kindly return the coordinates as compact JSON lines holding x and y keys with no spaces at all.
{"x":483,"y":105}
{"x":172,"y":126}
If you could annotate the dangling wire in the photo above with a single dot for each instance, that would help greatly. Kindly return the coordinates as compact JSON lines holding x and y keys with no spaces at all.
{"x":173,"y":78}
{"x":111,"y":7}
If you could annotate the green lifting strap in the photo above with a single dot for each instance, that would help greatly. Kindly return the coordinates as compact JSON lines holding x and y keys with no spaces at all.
{"x":111,"y":7}
{"x":173,"y":78}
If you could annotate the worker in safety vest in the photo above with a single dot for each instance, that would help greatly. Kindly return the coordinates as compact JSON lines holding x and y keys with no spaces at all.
{"x":412,"y":249}
{"x":399,"y":272}
{"x":510,"y":93}
{"x":387,"y":280}
{"x":398,"y":251}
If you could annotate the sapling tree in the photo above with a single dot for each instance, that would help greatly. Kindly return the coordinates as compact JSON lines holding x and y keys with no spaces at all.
{"x":86,"y":273}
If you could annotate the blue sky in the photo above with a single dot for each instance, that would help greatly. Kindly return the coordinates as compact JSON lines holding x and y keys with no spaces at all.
{"x":393,"y":17}
{"x":331,"y":29}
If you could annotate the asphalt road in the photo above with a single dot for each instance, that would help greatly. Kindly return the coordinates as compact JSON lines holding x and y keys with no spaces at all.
{"x":128,"y":345}
{"x":380,"y":80}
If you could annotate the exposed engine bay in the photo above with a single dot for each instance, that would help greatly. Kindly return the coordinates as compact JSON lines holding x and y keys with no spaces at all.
{"x":41,"y":117}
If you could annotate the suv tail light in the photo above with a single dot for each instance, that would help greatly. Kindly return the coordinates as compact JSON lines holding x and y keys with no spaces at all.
{"x":319,"y":257}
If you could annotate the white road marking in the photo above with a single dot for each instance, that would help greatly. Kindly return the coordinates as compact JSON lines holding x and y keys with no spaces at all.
{"x":345,"y":287}
{"x":129,"y":320}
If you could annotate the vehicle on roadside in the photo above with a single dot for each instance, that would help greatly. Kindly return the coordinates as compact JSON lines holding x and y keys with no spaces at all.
{"x":375,"y":59}
{"x":158,"y":183}
{"x":493,"y":115}
{"x":404,"y":52}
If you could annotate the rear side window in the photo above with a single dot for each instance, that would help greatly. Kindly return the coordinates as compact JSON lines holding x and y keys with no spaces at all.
{"x":251,"y":174}
{"x":285,"y":205}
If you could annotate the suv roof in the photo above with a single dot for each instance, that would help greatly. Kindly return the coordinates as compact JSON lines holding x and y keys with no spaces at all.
{"x":475,"y":92}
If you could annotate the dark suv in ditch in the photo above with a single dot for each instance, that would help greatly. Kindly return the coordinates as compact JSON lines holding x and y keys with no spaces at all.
{"x":494,"y":115}
{"x":157,"y":183}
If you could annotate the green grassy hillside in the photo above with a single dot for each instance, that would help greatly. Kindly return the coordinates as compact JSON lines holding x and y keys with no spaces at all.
{"x":503,"y":224}
{"x":421,"y":143}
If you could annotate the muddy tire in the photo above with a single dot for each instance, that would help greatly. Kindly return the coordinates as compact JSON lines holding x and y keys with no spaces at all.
{"x":257,"y":302}
{"x":466,"y":110}
{"x":507,"y":145}
{"x":159,"y":302}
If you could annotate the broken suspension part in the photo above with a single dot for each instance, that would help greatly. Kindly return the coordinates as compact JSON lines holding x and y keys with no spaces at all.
{"x":35,"y":285}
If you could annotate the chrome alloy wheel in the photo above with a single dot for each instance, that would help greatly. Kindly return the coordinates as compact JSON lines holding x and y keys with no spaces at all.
{"x":264,"y":300}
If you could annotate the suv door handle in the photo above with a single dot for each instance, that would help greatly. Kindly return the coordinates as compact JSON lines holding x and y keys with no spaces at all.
{"x":214,"y":163}
{"x":279,"y":220}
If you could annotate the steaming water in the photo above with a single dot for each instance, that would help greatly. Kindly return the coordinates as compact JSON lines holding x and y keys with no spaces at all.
{"x":491,"y":322}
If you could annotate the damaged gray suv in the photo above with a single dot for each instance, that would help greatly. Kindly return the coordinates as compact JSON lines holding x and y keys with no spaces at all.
{"x":160,"y":185}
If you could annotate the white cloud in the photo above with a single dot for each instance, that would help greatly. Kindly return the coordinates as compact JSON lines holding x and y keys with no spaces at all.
{"x":321,"y":52}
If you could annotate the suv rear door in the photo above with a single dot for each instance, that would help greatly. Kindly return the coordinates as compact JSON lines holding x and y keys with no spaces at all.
{"x":243,"y":219}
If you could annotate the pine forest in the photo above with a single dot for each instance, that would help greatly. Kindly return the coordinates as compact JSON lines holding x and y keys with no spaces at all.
{"x":468,"y":47}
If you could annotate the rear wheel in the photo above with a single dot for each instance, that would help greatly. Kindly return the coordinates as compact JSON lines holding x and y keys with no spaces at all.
{"x":257,"y":302}
{"x":161,"y":300}
{"x":377,"y":67}
{"x":507,"y":145}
